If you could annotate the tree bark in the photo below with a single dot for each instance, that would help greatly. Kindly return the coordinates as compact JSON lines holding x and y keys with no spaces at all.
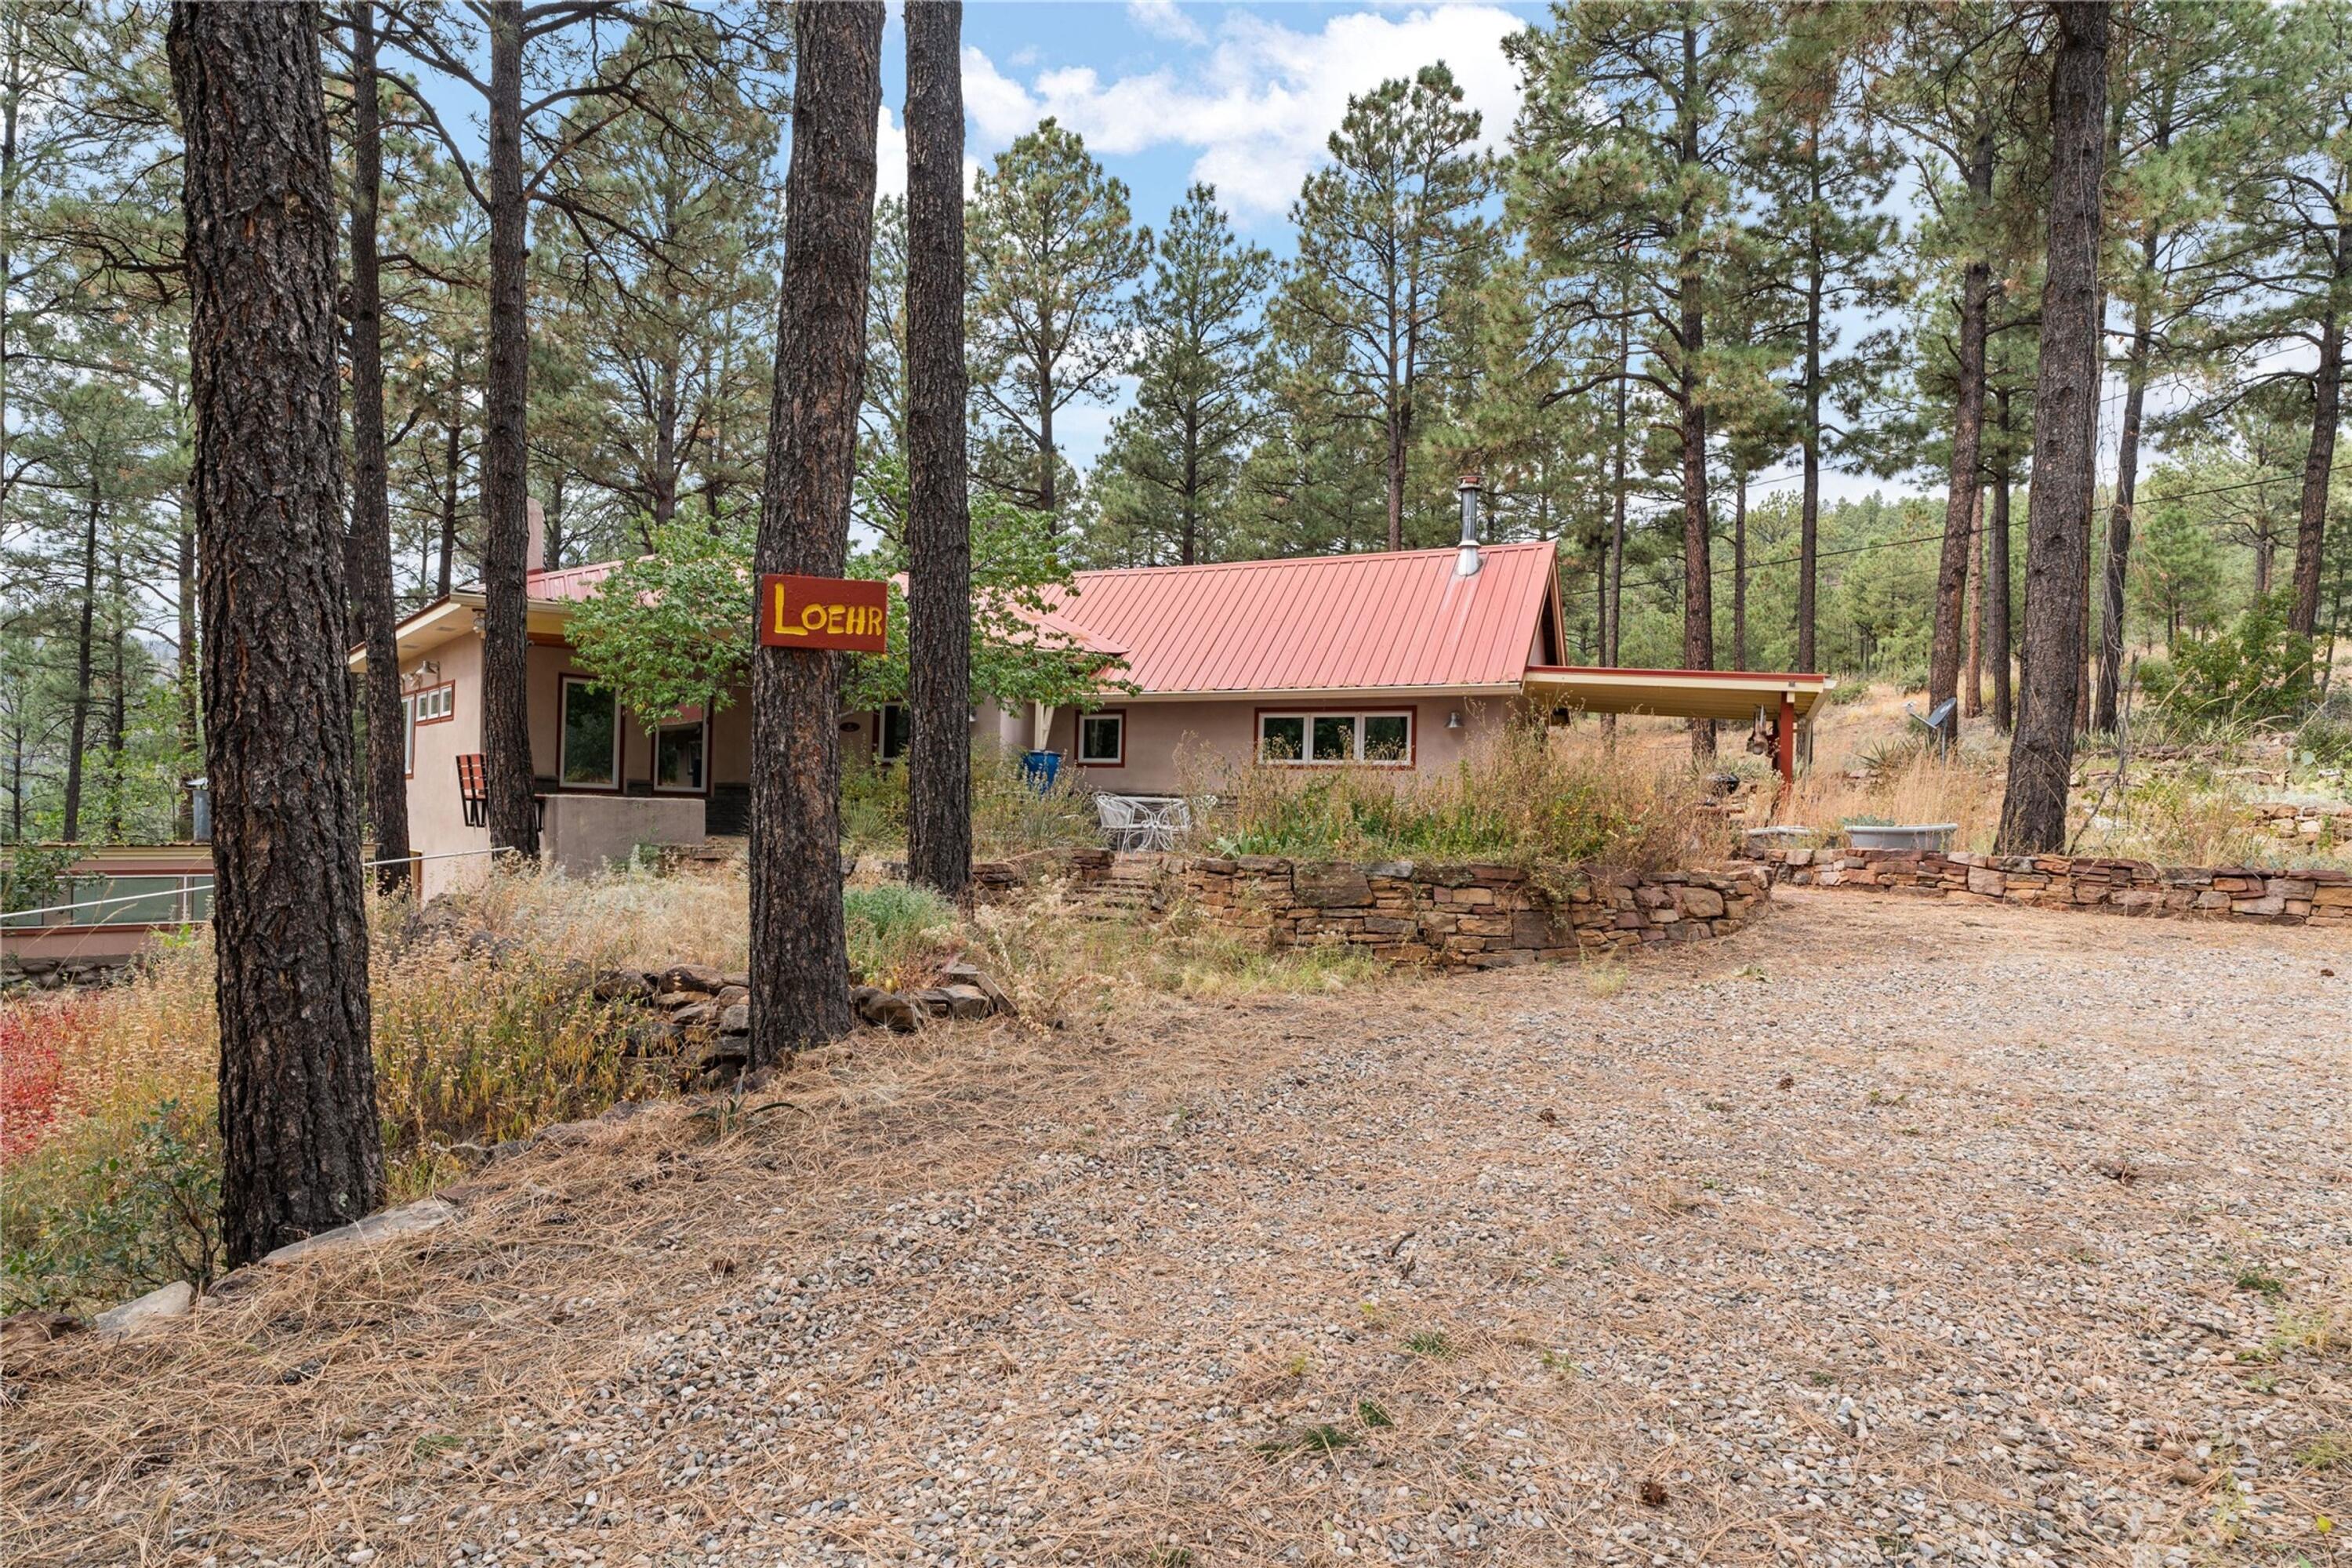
{"x":451,"y":457}
{"x":2119,"y":517}
{"x":1998,"y":636}
{"x":1972,"y":666}
{"x":1809,"y":517}
{"x":506,"y":635}
{"x":302,"y":1150}
{"x":77,"y":732}
{"x":939,"y":519}
{"x":387,"y":794}
{"x":1698,"y":587}
{"x":1739,"y":570}
{"x":2067,"y":406}
{"x":2319,"y":461}
{"x":799,"y":963}
{"x":1968,"y":440}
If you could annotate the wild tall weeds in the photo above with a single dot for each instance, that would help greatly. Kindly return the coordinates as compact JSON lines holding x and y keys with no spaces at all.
{"x":1523,"y":797}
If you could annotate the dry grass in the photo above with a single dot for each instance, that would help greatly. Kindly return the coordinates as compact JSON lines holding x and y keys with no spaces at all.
{"x":484,"y":1031}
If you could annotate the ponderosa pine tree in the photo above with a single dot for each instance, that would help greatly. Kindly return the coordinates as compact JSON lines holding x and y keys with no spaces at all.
{"x":939,"y":515}
{"x":621,"y":79}
{"x":1166,"y":482}
{"x":800,"y":963}
{"x":368,"y":558}
{"x":302,"y":1150}
{"x":1822,"y":167}
{"x":2066,"y":430}
{"x":1624,"y":161}
{"x":2186,"y":127}
{"x":1392,"y":247}
{"x":1051,"y":253}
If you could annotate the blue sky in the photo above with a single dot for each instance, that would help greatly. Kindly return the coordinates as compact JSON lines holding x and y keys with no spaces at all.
{"x":1242,"y":97}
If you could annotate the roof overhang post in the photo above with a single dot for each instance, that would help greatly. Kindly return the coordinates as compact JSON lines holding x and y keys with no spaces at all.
{"x":1787,"y":745}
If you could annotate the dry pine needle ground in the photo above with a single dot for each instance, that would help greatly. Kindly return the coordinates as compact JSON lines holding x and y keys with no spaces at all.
{"x":1877,"y":1233}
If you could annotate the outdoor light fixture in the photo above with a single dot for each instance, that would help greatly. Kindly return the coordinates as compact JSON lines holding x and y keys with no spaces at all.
{"x":1454,"y":721}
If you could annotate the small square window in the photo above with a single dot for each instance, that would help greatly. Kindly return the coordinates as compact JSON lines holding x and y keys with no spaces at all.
{"x":1282,"y":737}
{"x":1102,"y":739}
{"x":1335,"y":738}
{"x":1388,"y":737}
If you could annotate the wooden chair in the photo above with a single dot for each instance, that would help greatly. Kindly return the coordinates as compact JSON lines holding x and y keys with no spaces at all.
{"x":474,"y":794}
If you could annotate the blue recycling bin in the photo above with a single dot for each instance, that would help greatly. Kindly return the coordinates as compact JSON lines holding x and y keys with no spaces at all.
{"x":1041,"y":769}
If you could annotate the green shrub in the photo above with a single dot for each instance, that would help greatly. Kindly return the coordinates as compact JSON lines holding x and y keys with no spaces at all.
{"x":893,"y":929}
{"x":2255,"y":672}
{"x":95,"y":1216}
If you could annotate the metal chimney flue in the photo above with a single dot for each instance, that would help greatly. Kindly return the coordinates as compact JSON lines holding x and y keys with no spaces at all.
{"x":1467,"y":563}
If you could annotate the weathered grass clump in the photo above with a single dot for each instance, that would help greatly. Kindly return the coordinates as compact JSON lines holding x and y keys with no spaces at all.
{"x":1524,"y":797}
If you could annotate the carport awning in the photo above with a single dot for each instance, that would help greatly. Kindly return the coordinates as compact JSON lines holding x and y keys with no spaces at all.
{"x":1676,"y":693}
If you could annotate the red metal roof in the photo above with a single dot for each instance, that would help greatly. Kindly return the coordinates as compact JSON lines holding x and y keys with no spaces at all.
{"x":1330,"y":623}
{"x":1320,"y":623}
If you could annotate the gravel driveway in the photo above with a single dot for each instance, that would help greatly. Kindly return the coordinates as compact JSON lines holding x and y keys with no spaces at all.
{"x":1879,"y":1233}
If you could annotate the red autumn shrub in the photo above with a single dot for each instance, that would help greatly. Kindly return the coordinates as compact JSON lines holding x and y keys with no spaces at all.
{"x":33,"y":1034}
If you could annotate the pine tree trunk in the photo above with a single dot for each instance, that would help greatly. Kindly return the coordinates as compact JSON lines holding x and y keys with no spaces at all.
{"x":371,"y":593}
{"x":1698,"y":583}
{"x":1968,"y":439}
{"x":77,"y":724}
{"x":939,"y":520}
{"x":2119,"y":518}
{"x":1809,"y":525}
{"x":2319,"y":461}
{"x":799,"y":963}
{"x":451,"y":457}
{"x":1997,"y":592}
{"x":1739,"y":570}
{"x":2065,"y":426}
{"x":301,"y":1151}
{"x":1972,"y":668}
{"x":506,"y":635}
{"x":192,"y":731}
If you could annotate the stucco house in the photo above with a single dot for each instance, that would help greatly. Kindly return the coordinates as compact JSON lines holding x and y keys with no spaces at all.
{"x":1398,"y":660}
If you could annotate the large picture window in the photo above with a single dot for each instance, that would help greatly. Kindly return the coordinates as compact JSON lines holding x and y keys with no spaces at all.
{"x":1332,"y":739}
{"x":591,"y":744}
{"x":1102,"y":739}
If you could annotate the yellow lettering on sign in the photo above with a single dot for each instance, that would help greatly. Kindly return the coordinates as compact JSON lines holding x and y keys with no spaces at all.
{"x":811,"y":619}
{"x":832,"y":619}
{"x":782,"y":630}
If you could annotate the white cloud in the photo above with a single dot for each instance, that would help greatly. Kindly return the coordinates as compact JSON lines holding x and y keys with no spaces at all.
{"x":891,"y":158}
{"x":1261,"y":103}
{"x":1165,"y":19}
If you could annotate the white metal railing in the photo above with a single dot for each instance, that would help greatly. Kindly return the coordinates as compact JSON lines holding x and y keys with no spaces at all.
{"x":190,"y":886}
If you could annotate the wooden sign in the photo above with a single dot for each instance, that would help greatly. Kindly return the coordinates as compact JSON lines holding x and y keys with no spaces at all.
{"x":845,"y":613}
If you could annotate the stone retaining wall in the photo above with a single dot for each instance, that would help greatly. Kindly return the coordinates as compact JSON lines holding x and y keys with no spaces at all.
{"x":1473,"y":917}
{"x":2310,"y":825}
{"x":2080,"y":882}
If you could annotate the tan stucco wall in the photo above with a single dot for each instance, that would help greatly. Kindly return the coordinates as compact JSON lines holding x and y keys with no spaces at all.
{"x":436,"y":814}
{"x":1164,"y":739}
{"x":585,"y":832}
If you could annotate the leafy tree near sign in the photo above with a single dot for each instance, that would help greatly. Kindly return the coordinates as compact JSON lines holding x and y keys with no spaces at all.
{"x":675,"y":629}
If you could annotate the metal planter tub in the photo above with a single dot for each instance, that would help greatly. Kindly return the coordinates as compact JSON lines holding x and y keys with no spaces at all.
{"x":1906,"y":836}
